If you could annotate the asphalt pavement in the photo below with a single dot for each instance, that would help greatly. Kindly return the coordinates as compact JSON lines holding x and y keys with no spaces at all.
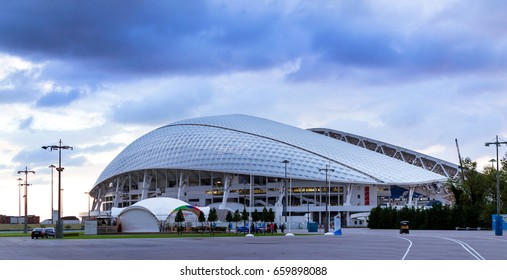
{"x":353,"y":244}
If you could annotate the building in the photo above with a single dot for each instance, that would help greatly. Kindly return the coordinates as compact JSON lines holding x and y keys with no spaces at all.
{"x":31,"y":219}
{"x":243,"y":162}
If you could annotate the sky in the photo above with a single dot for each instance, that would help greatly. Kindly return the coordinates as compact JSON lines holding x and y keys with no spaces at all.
{"x":99,"y":74}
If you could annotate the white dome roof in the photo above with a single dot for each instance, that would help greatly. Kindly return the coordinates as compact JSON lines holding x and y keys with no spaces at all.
{"x":160,"y":207}
{"x":241,"y":144}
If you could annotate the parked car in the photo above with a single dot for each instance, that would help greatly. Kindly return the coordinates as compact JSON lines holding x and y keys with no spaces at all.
{"x":242,"y":229}
{"x":260,"y":230}
{"x":50,"y":232}
{"x":404,"y":227}
{"x":38,"y":232}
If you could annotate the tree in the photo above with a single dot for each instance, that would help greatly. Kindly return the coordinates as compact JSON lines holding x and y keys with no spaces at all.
{"x":265,"y":217}
{"x":244,"y":216}
{"x":475,"y":196}
{"x":202,"y":219}
{"x":212,"y":218}
{"x":180,"y":218}
{"x":229,"y":220}
{"x":474,"y":189}
{"x":271,"y":215}
{"x":255,"y":217}
{"x":236,"y":218}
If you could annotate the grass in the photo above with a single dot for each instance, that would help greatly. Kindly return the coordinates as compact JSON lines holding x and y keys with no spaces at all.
{"x":144,"y":235}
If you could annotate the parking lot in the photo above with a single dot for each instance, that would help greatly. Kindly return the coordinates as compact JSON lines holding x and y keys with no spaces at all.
{"x":354,"y":244}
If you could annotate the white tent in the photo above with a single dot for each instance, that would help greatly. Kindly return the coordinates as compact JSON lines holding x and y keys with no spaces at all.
{"x":147,"y":215}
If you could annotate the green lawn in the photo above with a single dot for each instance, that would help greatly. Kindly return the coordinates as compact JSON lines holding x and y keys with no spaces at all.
{"x":145,"y":235}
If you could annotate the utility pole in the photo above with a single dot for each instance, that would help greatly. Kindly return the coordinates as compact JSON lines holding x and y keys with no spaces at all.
{"x":284,"y":204}
{"x":327,"y":169}
{"x":26,"y":171}
{"x":499,"y":220}
{"x":88,"y":193}
{"x":19,"y":197}
{"x":52,"y":208}
{"x":59,"y":222}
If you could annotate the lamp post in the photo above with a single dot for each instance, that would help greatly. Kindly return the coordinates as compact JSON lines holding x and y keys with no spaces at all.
{"x":88,"y":193}
{"x":499,"y":220}
{"x":59,"y":147}
{"x":26,"y":171}
{"x":19,"y":197}
{"x":250,"y":205}
{"x":52,"y":209}
{"x":327,"y":169}
{"x":284,"y":202}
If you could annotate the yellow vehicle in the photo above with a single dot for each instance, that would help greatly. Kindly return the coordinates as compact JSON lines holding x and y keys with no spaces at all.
{"x":404,"y":227}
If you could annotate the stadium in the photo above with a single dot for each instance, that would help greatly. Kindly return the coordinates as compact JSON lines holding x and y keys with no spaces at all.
{"x":244,"y":162}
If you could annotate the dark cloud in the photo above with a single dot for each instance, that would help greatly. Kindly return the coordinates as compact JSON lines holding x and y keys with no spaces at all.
{"x":450,"y":42}
{"x":122,"y":37}
{"x":106,"y":40}
{"x":57,"y":99}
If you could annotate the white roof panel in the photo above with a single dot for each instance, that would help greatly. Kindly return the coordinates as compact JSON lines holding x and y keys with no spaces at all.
{"x":249,"y":145}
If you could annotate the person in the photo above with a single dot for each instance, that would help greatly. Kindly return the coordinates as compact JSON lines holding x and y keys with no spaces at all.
{"x":282,"y":228}
{"x":252,"y":228}
{"x":276,"y":228}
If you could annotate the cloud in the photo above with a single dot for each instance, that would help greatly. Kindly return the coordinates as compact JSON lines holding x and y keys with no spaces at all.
{"x":143,"y":38}
{"x":26,"y":123}
{"x":98,"y":41}
{"x":37,"y":158}
{"x":160,"y":107}
{"x":19,"y":86}
{"x":101,"y":147}
{"x":58,"y":99}
{"x":400,"y":45}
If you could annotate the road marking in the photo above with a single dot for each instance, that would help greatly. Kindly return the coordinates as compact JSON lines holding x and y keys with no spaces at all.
{"x":467,"y":247}
{"x":408,"y":249}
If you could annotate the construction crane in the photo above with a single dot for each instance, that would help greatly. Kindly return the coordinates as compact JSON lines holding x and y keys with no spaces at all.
{"x":460,"y":161}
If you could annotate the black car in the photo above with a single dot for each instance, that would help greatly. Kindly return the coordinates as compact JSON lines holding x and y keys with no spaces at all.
{"x":38,"y":232}
{"x":50,"y":232}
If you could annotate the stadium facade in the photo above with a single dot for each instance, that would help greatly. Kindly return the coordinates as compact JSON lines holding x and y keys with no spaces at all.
{"x":243,"y":162}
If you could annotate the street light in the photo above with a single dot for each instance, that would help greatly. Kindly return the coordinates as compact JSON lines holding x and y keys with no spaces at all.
{"x":26,"y":171}
{"x":499,"y":220}
{"x":492,"y":163}
{"x":19,"y":197}
{"x":59,"y":225}
{"x":52,"y":210}
{"x":284,"y":202}
{"x":327,"y":169}
{"x":88,"y":193}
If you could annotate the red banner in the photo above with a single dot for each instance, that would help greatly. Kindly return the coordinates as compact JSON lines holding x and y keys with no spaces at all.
{"x":367,"y":196}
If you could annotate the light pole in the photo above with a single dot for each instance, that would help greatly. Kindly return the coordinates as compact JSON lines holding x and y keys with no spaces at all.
{"x":19,"y":197}
{"x":499,"y":220}
{"x":88,"y":193}
{"x":284,"y":202}
{"x":52,"y":209}
{"x":250,"y":220}
{"x":26,"y":171}
{"x":492,"y":163}
{"x":327,"y":169}
{"x":59,"y":225}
